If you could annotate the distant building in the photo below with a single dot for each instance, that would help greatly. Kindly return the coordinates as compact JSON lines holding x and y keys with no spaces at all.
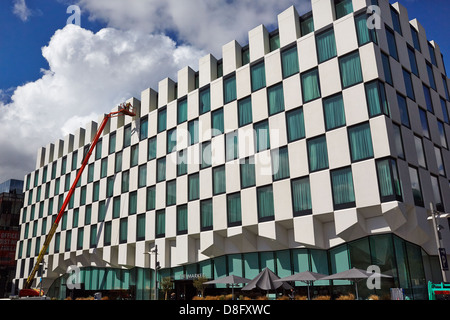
{"x":318,"y":146}
{"x":12,"y":186}
{"x":11,"y":202}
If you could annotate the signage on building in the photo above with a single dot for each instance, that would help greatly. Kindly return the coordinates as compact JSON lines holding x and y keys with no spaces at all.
{"x":191,"y":276}
{"x":8,"y":241}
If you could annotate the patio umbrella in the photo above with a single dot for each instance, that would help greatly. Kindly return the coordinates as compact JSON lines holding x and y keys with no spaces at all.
{"x":231,"y":279}
{"x":354,"y":275}
{"x":265,"y":280}
{"x":307,"y":276}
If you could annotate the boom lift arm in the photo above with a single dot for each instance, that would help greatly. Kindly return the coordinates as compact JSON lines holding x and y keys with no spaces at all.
{"x":123,"y":109}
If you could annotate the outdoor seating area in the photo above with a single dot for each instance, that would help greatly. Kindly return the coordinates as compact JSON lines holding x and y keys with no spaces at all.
{"x":268,"y":286}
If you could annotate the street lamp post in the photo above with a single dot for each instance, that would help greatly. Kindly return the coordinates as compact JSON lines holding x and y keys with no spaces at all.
{"x":155,"y":251}
{"x":435,"y":215}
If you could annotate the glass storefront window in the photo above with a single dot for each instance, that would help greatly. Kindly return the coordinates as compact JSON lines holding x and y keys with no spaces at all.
{"x":220,"y":269}
{"x":251,"y":265}
{"x":417,"y":275}
{"x":319,"y":264}
{"x":283,"y":263}
{"x":339,"y":261}
{"x":235,"y":265}
{"x":267,"y":260}
{"x":382,"y":253}
{"x":393,"y":255}
{"x":206,"y":268}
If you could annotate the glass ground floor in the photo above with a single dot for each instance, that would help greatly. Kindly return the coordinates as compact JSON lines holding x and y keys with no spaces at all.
{"x":408,"y":264}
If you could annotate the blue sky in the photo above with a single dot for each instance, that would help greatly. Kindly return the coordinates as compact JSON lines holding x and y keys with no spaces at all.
{"x":62,"y":77}
{"x":21,"y":41}
{"x":433,"y":16}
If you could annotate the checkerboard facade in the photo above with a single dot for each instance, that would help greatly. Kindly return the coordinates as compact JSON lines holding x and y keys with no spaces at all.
{"x":307,"y":137}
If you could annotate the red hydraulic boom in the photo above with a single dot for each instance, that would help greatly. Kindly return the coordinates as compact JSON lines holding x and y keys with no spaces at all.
{"x":124,"y":109}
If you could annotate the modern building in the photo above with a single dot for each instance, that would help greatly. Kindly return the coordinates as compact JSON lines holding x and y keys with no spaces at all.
{"x":11,"y":203}
{"x":316,"y":146}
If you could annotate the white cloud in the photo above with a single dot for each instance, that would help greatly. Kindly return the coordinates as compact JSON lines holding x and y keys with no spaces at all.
{"x":21,"y":10}
{"x":206,"y":24}
{"x":89,"y":75}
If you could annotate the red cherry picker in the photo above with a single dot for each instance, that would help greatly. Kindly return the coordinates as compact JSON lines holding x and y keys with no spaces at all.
{"x":27,"y":291}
